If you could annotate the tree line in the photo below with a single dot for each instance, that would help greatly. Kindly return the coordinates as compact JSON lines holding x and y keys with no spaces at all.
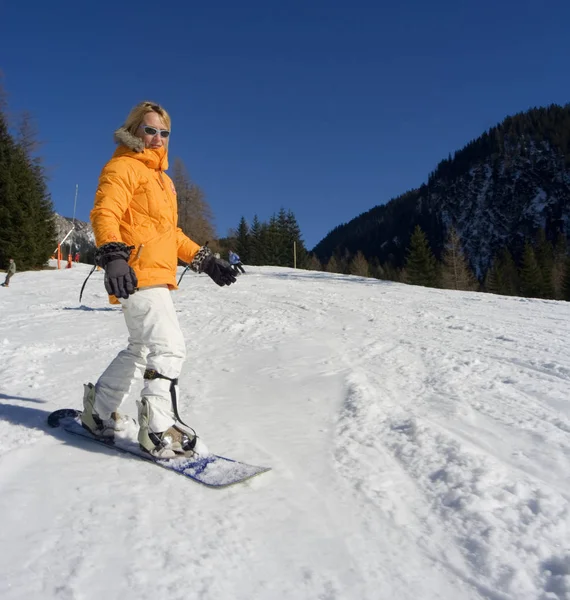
{"x":277,"y":242}
{"x":543,"y":270}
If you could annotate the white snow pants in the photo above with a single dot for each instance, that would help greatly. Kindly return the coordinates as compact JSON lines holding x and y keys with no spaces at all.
{"x":155,"y":342}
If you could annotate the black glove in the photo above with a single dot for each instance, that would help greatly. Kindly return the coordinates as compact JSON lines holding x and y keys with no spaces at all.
{"x":120,"y":279}
{"x":218,"y":269}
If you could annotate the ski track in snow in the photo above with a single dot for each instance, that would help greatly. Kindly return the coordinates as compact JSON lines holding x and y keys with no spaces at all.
{"x":419,"y":440}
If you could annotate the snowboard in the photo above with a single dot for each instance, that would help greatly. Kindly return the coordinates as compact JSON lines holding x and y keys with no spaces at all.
{"x":210,"y":470}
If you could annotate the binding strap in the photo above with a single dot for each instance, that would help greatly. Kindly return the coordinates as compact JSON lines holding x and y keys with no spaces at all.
{"x":154,"y":374}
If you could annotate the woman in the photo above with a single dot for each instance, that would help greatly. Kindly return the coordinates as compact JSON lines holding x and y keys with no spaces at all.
{"x":138,"y":243}
{"x":11,"y":271}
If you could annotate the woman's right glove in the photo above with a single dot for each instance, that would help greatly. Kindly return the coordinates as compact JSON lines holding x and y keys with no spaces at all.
{"x":120,"y":279}
{"x":218,"y":269}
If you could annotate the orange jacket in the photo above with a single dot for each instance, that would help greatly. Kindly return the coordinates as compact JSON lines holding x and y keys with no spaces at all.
{"x":135,"y":203}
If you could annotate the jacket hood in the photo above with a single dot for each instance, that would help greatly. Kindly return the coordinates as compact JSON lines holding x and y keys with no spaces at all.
{"x":124,"y":137}
{"x":134,"y":146}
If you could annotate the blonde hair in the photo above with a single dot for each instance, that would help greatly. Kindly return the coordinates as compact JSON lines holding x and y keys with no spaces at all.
{"x":137,"y":114}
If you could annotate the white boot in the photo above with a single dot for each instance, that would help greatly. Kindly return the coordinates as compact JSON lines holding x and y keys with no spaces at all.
{"x":176,"y":441}
{"x":92,"y":421}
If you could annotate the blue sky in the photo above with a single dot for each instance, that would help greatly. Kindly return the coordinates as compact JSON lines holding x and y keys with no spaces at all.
{"x":324,"y":108}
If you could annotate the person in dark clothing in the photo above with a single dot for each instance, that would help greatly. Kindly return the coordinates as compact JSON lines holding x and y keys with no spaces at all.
{"x":11,"y":270}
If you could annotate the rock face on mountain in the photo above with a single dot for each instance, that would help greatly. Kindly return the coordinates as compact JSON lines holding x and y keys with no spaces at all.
{"x":497,"y":192}
{"x":82,"y":239}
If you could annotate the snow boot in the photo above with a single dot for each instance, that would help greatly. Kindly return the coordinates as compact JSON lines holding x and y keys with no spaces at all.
{"x":176,"y":441}
{"x":91,"y":421}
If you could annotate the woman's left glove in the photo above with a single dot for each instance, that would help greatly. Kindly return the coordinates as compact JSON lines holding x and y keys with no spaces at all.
{"x":218,"y":269}
{"x":120,"y":279}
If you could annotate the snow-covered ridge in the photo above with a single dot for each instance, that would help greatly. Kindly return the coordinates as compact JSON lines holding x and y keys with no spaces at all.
{"x":501,"y":203}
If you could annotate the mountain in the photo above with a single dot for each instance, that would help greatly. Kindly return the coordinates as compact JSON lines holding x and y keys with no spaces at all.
{"x":497,"y":191}
{"x":82,"y":239}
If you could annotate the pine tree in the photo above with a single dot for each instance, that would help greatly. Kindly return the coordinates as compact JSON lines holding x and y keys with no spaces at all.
{"x":332,"y":265}
{"x":502,"y":276}
{"x":456,"y":273}
{"x":27,"y":228}
{"x":390,"y":273}
{"x":343,"y":261}
{"x":545,"y":259}
{"x":313,"y":263}
{"x":293,"y":236}
{"x":375,"y":268}
{"x":243,"y":242}
{"x":421,"y":266}
{"x":8,"y":207}
{"x":531,"y":276}
{"x":283,"y":245}
{"x":509,"y":274}
{"x":272,"y":242}
{"x":493,"y":283}
{"x":37,"y":232}
{"x":359,"y":265}
{"x":195,"y":216}
{"x":566,"y":280}
{"x":255,"y":247}
{"x":559,"y":265}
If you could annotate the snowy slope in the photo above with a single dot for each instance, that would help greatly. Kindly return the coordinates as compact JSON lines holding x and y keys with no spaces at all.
{"x":419,"y":439}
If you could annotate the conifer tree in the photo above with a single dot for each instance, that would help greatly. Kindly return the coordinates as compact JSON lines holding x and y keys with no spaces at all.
{"x":493,"y":283}
{"x":344,"y":261}
{"x":243,"y":241}
{"x":272,"y":242}
{"x":8,"y":239}
{"x":263,"y":241}
{"x":502,"y":276}
{"x":545,"y":259}
{"x":27,"y":227}
{"x":390,"y":273}
{"x":281,"y":254}
{"x":293,"y":236}
{"x":531,"y":276}
{"x":456,"y":273}
{"x":359,"y":265}
{"x":559,"y":266}
{"x":375,"y":268}
{"x":255,"y":242}
{"x":509,"y":274}
{"x":566,"y":280}
{"x":332,"y":265}
{"x":421,"y":266}
{"x":313,"y":263}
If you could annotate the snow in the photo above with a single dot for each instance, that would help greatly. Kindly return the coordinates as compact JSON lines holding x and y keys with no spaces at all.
{"x":419,"y":441}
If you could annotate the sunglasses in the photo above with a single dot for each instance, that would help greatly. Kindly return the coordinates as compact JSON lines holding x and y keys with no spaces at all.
{"x":164,"y":133}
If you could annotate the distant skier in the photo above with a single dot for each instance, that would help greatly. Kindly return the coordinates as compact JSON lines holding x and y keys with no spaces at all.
{"x":138,"y":244}
{"x":10,"y":273}
{"x":236,"y":262}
